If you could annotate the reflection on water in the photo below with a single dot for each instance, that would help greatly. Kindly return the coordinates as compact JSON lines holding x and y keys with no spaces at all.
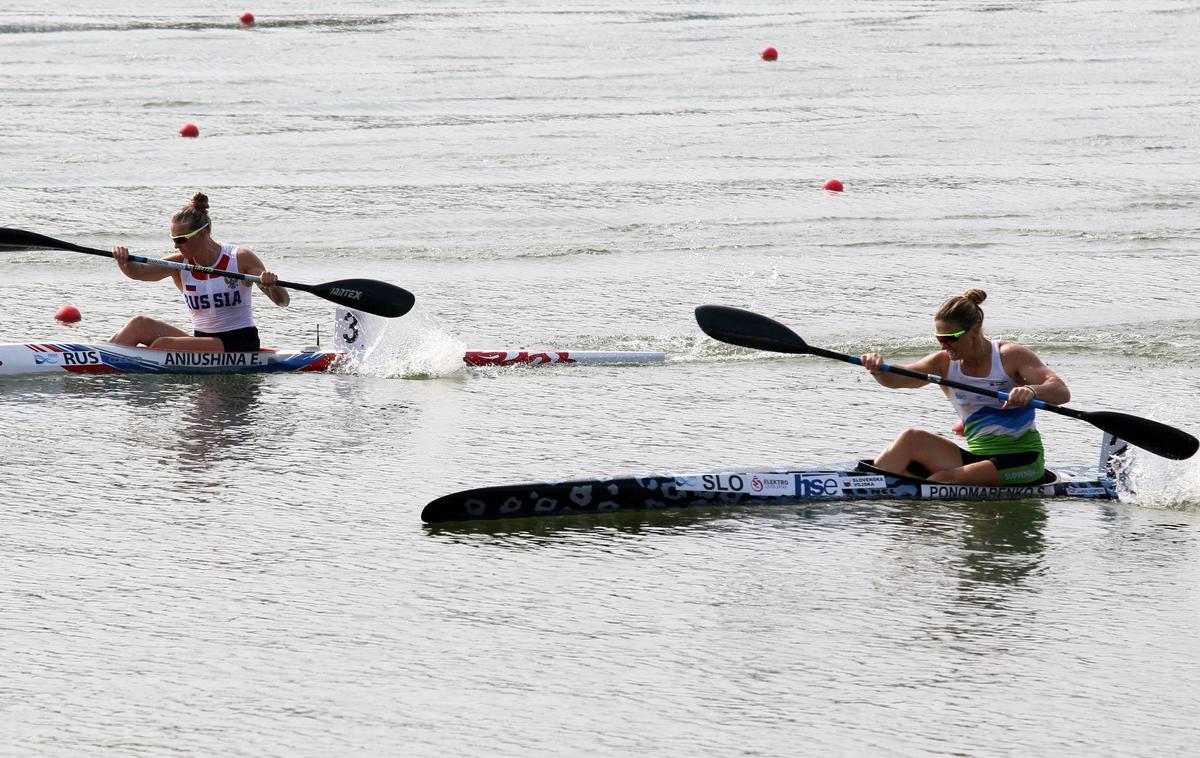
{"x":549,"y":531}
{"x":994,"y":543}
{"x":121,"y":432}
{"x":216,"y":418}
{"x":1002,"y":543}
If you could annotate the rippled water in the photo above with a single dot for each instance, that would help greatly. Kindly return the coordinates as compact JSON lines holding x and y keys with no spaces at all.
{"x":236,"y":565}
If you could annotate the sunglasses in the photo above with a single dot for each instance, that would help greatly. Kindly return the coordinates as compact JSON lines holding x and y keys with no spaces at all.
{"x":949,"y":338}
{"x":185,"y":237}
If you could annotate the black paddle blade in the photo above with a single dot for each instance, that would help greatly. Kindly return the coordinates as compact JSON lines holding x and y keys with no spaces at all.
{"x":746,"y":329}
{"x":1157,"y":438}
{"x":19,"y":238}
{"x":367,"y":295}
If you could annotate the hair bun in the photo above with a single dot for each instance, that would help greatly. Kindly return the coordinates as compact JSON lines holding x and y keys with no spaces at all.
{"x":975,"y":295}
{"x":200,"y":202}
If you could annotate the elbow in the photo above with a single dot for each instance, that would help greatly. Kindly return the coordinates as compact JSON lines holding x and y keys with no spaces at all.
{"x":1061,"y":394}
{"x":1064,"y":392}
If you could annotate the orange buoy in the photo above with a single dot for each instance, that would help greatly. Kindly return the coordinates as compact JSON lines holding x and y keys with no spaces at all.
{"x":247,"y":19}
{"x":770,"y":54}
{"x":68,"y":314}
{"x":189,"y":130}
{"x":833,"y":185}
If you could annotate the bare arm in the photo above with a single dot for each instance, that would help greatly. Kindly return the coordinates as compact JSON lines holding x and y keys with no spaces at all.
{"x":143,"y":272}
{"x":249,"y":263}
{"x":934,"y":363}
{"x":1035,"y":380}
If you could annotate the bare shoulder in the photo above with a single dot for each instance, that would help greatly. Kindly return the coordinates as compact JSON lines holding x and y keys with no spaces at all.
{"x":934,"y":363}
{"x":248,"y":262}
{"x":1017,"y":353}
{"x":1022,"y":364}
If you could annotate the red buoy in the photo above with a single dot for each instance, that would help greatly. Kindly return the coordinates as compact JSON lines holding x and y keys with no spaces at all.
{"x":68,"y":314}
{"x":958,"y":428}
{"x":833,"y":185}
{"x":247,"y":19}
{"x":770,"y":54}
{"x":189,"y":130}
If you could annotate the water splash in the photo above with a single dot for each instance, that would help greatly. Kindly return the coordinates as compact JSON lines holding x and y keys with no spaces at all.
{"x":1150,"y":481}
{"x":416,"y":346}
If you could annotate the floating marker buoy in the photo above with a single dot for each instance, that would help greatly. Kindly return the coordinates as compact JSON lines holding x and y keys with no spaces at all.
{"x":189,"y":130}
{"x":833,"y":185}
{"x":68,"y":314}
{"x":247,"y":19}
{"x":770,"y":54}
{"x":958,"y":428}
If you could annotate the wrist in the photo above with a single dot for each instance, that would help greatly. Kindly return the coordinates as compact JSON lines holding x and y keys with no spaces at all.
{"x":1032,"y":389}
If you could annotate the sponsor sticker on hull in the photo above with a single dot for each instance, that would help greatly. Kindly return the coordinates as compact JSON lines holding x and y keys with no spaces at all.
{"x":1087,"y":491}
{"x":512,"y":358}
{"x":759,"y":485}
{"x":864,"y":482}
{"x":817,"y":484}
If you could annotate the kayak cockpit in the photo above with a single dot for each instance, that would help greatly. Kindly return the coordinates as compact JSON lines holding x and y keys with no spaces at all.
{"x":868,"y":466}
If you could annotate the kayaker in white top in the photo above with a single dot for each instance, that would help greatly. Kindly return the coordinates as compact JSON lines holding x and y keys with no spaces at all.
{"x":1003,"y":444}
{"x":220,"y":307}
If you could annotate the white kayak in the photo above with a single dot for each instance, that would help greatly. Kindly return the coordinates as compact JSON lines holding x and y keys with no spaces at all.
{"x":107,"y":358}
{"x":352,"y":330}
{"x":20,"y":359}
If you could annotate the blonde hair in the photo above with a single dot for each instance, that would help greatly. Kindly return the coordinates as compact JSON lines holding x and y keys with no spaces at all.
{"x":963,"y":309}
{"x":194,"y":214}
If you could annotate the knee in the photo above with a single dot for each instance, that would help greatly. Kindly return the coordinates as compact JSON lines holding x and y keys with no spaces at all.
{"x":912,"y":436}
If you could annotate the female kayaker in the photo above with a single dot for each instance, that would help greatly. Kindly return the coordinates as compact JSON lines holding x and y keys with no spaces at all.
{"x":1003,"y":444}
{"x":220,"y":307}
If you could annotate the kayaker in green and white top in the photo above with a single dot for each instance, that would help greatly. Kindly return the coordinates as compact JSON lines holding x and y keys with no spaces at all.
{"x":1003,"y":443}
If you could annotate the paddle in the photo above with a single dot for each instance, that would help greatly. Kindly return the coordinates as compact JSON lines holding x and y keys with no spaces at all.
{"x":367,"y":295}
{"x":746,"y":329}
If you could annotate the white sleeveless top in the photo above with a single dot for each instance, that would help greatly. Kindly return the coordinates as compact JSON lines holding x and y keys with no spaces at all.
{"x":217,"y":304}
{"x":988,"y":428}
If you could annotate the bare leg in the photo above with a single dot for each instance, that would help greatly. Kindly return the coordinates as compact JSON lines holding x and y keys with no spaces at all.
{"x":983,"y":472}
{"x":938,"y":455}
{"x":919,"y":446}
{"x":197,"y":344}
{"x":143,"y":330}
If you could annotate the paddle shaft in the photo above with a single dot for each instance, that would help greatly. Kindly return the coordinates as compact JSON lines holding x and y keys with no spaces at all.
{"x":178,"y":265}
{"x":380,"y":298}
{"x":214,"y":272}
{"x":935,"y":379}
